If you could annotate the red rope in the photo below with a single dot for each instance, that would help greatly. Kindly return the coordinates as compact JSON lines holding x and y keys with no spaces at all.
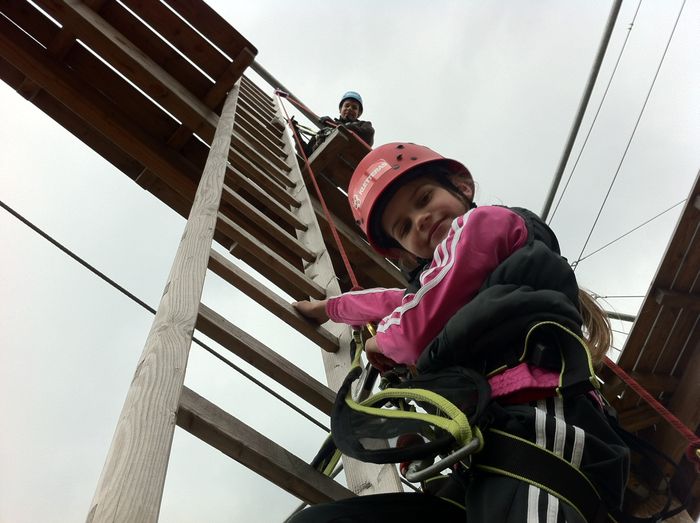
{"x":334,"y":231}
{"x":692,"y":452}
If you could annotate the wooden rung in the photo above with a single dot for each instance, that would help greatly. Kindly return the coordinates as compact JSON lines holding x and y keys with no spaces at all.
{"x":261,"y":102}
{"x":276,"y":305}
{"x":254,"y":94}
{"x":266,"y":256}
{"x":240,"y":144}
{"x":264,"y":359}
{"x":237,"y":440}
{"x":254,"y":90}
{"x":274,"y":158}
{"x":271,"y":123}
{"x":252,"y":171}
{"x":235,"y":181}
{"x":268,"y":141}
{"x":263,"y":126}
{"x":267,"y":225}
{"x":261,"y":122}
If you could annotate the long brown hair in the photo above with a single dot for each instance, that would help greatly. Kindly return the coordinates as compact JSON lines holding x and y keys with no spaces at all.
{"x":596,"y":326}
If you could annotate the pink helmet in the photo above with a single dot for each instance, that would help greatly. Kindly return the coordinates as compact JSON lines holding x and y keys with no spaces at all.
{"x":378,"y":170}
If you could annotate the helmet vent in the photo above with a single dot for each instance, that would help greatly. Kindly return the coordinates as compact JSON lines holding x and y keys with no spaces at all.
{"x":399,"y":157}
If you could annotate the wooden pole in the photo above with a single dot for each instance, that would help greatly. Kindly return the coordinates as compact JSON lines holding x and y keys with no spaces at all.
{"x":131,"y":485}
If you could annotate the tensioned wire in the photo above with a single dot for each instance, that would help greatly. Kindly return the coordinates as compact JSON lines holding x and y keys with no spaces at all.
{"x":595,"y":117}
{"x":632,"y":134}
{"x":150,"y":309}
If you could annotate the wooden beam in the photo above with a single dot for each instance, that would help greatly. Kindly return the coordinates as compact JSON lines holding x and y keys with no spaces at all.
{"x":131,"y":483}
{"x":677,"y":300}
{"x":230,"y":76}
{"x":237,"y":440}
{"x":638,"y":418}
{"x":684,"y":404}
{"x":653,"y":383}
{"x":264,"y":359}
{"x":279,"y":307}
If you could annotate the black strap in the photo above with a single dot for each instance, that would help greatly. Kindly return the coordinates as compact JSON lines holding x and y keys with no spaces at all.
{"x":511,"y":456}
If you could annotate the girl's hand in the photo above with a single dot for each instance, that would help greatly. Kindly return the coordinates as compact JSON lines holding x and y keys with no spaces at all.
{"x":376,"y":358}
{"x":313,"y":310}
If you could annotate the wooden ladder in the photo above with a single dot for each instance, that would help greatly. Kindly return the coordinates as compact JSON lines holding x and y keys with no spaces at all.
{"x":251,"y":198}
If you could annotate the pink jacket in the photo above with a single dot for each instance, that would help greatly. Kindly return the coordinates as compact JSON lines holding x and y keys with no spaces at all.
{"x":476,"y":244}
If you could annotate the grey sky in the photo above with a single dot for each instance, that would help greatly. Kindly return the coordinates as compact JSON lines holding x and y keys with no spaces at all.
{"x":493,"y":84}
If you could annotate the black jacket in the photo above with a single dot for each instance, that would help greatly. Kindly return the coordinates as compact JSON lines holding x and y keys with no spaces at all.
{"x":534,"y":284}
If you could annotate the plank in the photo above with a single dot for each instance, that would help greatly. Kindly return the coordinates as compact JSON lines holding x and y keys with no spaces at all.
{"x":264,"y":359}
{"x":155,"y":48}
{"x":184,"y":38}
{"x":125,"y":57}
{"x":208,"y":22}
{"x":266,"y":256}
{"x":271,"y":301}
{"x":103,"y":116}
{"x":237,"y":440}
{"x":131,"y":484}
{"x":243,"y":119}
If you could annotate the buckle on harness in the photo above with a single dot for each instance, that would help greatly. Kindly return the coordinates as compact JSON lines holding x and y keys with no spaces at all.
{"x":418,"y":471}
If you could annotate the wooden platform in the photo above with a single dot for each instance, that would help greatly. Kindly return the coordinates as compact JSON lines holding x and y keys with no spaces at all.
{"x":662,"y":351}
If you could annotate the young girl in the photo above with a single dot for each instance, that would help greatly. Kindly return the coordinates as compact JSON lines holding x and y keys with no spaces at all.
{"x":491,"y":274}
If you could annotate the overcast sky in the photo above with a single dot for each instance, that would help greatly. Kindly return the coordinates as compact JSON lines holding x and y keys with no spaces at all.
{"x":493,"y":84}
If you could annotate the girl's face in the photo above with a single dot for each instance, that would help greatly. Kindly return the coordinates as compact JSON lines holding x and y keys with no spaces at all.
{"x":420,"y":214}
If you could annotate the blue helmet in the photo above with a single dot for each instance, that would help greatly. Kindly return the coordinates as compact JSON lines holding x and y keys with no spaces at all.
{"x":351,"y":95}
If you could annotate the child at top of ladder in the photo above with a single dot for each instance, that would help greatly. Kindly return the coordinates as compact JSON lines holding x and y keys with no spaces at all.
{"x":491,"y":273}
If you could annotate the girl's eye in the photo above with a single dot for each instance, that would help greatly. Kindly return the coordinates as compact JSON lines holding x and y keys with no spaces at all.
{"x":424,"y":197}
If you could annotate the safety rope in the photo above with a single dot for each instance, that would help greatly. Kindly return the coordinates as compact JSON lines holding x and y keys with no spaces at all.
{"x":693,"y":450}
{"x":326,"y":212}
